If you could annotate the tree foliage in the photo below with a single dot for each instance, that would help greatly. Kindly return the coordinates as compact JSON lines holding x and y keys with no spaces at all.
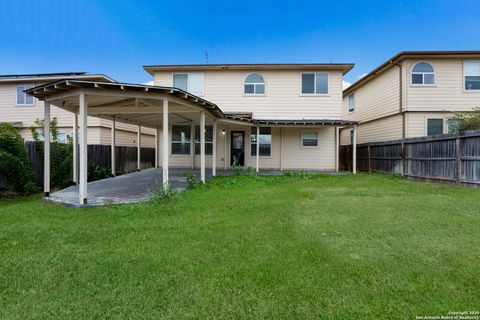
{"x":470,"y":121}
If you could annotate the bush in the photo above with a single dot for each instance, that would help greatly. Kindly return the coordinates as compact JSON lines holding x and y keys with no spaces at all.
{"x":192,"y":180}
{"x":14,"y":164}
{"x":96,"y":172}
{"x":468,"y":121}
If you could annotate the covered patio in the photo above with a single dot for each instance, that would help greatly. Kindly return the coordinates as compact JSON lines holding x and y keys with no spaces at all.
{"x":152,"y":107}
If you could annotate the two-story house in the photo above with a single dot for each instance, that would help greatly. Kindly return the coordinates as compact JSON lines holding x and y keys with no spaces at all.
{"x":22,"y":110}
{"x":415,"y":93}
{"x":297,"y":106}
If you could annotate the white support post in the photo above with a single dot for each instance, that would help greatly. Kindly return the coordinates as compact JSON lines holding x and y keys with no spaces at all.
{"x":281,"y":149}
{"x":46,"y":152}
{"x":257,"y":158}
{"x":82,"y":195}
{"x":75,"y":147}
{"x":202,"y":146}
{"x":192,"y":145}
{"x":337,"y":148}
{"x":225,"y":149}
{"x":214,"y":148}
{"x":113,"y":164}
{"x":157,"y":148}
{"x":165,"y":144}
{"x":354,"y":157}
{"x":139,"y":147}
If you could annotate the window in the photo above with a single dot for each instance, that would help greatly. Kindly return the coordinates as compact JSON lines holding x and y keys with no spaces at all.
{"x":62,"y":137}
{"x":191,"y":82}
{"x":265,"y":142}
{"x":351,"y":136}
{"x":181,"y":139}
{"x":254,"y":84}
{"x":314,"y":83}
{"x":471,"y":70}
{"x":309,"y":138}
{"x":351,"y":103}
{"x":434,"y":126}
{"x":454,"y":125}
{"x":22,"y":98}
{"x":208,"y":140}
{"x":422,"y":73}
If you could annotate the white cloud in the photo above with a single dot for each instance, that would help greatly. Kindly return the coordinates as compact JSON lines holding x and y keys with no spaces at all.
{"x":149,"y":83}
{"x":345,"y":84}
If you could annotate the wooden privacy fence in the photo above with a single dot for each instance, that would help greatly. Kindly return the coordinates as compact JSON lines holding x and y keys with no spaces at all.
{"x":451,"y":158}
{"x":98,"y":154}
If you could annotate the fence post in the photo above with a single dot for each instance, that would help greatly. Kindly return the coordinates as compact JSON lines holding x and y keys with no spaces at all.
{"x":402,"y":157}
{"x":459,"y":151}
{"x":369,"y":159}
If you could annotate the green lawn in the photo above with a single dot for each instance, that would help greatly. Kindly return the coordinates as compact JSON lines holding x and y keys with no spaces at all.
{"x":338,"y":247}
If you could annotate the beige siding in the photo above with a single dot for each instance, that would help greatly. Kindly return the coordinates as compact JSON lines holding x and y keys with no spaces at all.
{"x":282,"y":99}
{"x":382,"y":130}
{"x":294,"y":155}
{"x":377,"y":98}
{"x":447,"y":94}
{"x":417,"y":122}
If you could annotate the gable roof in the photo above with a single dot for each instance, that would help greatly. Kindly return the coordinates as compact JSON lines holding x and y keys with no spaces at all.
{"x":405,"y":55}
{"x":344,"y":67}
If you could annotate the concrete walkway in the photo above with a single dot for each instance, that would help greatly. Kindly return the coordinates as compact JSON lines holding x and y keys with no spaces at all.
{"x":134,"y":187}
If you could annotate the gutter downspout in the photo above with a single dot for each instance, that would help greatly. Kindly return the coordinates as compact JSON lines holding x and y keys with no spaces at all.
{"x":400,"y":109}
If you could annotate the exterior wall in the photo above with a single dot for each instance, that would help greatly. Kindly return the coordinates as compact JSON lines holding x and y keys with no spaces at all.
{"x":447,"y":94}
{"x":377,"y":98}
{"x":282,"y":98}
{"x":417,"y":122}
{"x":293,"y":156}
{"x":389,"y":128}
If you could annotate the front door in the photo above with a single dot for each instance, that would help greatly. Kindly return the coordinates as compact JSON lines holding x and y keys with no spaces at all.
{"x":237,"y":150}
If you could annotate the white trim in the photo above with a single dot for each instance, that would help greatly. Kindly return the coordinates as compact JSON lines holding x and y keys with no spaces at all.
{"x":434,"y":118}
{"x":254,"y":94}
{"x":25,"y":87}
{"x":311,"y":130}
{"x":423,"y":84}
{"x":188,"y":82}
{"x":463,"y":77}
{"x":315,"y":94}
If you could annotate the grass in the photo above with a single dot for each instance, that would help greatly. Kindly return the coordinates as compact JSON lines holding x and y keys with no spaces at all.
{"x":331,"y":247}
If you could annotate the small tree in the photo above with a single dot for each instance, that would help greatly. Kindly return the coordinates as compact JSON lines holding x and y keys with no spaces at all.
{"x":470,"y":121}
{"x":14,"y":164}
{"x":61,"y":155}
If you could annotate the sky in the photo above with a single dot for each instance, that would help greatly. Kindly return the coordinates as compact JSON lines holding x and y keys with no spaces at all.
{"x":117,"y":38}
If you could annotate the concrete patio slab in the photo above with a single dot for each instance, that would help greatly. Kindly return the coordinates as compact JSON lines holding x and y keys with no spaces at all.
{"x":135,"y":187}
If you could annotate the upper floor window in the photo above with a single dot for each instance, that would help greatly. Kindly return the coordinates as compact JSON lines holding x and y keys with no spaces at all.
{"x":22,"y":98}
{"x":351,"y":102}
{"x":423,"y":73}
{"x":471,"y":70}
{"x":314,"y":83}
{"x":190,"y":82}
{"x":254,"y":84}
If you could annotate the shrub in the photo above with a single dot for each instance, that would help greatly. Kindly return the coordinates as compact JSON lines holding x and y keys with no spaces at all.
{"x":96,"y":172}
{"x":192,"y":180}
{"x":468,"y":121}
{"x":14,"y":164}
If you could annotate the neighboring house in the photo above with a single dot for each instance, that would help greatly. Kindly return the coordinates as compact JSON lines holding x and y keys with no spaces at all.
{"x":297,"y":106}
{"x":415,"y":93}
{"x":22,"y":110}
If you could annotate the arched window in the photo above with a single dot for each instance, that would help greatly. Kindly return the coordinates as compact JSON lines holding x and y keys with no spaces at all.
{"x":423,"y":73}
{"x":254,"y":84}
